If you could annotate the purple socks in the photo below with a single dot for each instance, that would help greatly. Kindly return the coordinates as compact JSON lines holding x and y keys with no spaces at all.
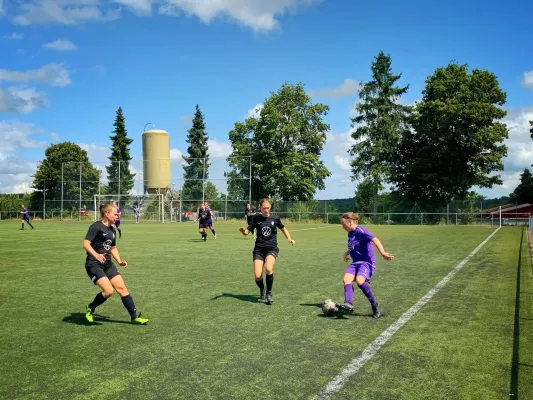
{"x":365,"y":288}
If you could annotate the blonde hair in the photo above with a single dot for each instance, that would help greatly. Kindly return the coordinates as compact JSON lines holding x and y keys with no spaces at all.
{"x":350,"y":215}
{"x":105,"y":208}
{"x":265,"y":200}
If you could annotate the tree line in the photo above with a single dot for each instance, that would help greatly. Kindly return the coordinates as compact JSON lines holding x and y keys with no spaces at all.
{"x":432,"y":152}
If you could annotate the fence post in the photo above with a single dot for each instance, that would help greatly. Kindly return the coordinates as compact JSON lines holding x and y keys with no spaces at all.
{"x":421,"y":218}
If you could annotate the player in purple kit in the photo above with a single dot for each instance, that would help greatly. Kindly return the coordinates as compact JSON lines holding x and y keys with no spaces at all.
{"x":25,"y":217}
{"x":210,"y":220}
{"x":117,"y":221}
{"x":363,"y":266}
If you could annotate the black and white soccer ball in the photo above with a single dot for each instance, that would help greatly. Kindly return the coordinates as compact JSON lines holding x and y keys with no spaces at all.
{"x":329,"y":308}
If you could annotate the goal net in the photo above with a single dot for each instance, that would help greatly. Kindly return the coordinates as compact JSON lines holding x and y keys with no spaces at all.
{"x":134,"y":208}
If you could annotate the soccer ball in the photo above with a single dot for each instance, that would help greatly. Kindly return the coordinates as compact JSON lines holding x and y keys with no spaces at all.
{"x":329,"y":308}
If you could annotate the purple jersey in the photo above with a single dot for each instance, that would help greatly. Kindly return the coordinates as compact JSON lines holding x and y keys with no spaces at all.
{"x":209,"y":212}
{"x":118,"y":212}
{"x":361,"y":246}
{"x":25,"y":214}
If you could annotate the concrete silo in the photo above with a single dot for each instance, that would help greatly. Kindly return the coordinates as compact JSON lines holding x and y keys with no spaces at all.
{"x":156,"y":161}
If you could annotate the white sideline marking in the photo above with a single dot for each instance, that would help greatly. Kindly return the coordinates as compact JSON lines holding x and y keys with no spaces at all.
{"x":357,"y":363}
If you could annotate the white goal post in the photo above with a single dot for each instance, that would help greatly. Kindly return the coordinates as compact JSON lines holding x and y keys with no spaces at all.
{"x":151,"y":207}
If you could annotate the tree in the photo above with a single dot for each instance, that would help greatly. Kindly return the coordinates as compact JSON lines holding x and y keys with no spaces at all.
{"x":285,"y":143}
{"x":531,"y":130}
{"x":69,"y":162}
{"x":456,"y":142}
{"x":380,"y":122}
{"x":523,"y":193}
{"x":366,"y":196}
{"x":121,"y":179}
{"x":197,"y":162}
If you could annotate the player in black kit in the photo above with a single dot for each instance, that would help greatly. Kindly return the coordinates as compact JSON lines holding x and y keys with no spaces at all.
{"x":100,"y":244}
{"x":266,"y":246}
{"x":249,"y":215}
{"x":203,"y":216}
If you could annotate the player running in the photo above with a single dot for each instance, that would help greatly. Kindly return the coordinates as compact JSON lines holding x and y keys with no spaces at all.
{"x":136,"y":212}
{"x":210,"y":220}
{"x":25,"y":217}
{"x":248,"y":216}
{"x":100,"y":245}
{"x":117,"y":220}
{"x":266,"y":247}
{"x":202,"y":217}
{"x":363,"y":266}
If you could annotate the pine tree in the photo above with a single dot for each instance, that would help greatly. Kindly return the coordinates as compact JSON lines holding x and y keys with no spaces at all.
{"x":121,"y":179}
{"x":380,"y":124}
{"x":197,"y":160}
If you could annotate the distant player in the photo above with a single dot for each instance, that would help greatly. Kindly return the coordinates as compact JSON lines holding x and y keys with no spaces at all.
{"x":117,"y":221}
{"x":363,"y":266}
{"x":202,"y":218}
{"x":249,"y":215}
{"x":100,"y":244}
{"x":210,"y":220}
{"x":25,"y":217}
{"x":266,"y":247}
{"x":136,"y":212}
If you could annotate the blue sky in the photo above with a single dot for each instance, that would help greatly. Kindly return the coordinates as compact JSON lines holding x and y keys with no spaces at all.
{"x":67,"y":65}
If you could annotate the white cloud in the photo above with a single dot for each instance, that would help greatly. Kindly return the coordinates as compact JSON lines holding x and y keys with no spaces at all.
{"x":98,"y":154}
{"x":54,"y":137}
{"x":528,"y":79}
{"x":21,"y":100}
{"x":176,"y":156}
{"x":52,"y":74}
{"x":16,"y":171}
{"x":15,"y":136}
{"x":139,"y":7}
{"x":218,"y":149}
{"x":65,"y":12}
{"x":255,"y":112}
{"x":342,"y":162}
{"x":257,"y":15}
{"x":348,"y":88}
{"x":60,"y":45}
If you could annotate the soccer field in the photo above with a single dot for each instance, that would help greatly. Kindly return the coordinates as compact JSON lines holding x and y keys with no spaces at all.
{"x":209,"y":337}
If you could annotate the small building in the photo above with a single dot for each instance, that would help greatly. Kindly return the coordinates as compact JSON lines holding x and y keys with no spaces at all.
{"x":514,"y":215}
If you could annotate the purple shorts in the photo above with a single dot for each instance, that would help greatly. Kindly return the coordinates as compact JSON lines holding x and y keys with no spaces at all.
{"x":364,"y":269}
{"x":117,"y":223}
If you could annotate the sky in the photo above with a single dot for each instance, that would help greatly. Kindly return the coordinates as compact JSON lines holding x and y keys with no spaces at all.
{"x":67,"y":65}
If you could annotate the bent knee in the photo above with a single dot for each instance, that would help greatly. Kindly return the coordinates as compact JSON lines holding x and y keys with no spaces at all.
{"x":360,"y":280}
{"x":107,"y":293}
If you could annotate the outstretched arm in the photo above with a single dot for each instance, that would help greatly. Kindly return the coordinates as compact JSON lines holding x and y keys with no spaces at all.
{"x":288,"y":236}
{"x":379,"y":246}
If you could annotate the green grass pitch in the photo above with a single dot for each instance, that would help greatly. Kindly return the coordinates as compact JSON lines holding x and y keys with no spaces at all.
{"x":210,"y":338}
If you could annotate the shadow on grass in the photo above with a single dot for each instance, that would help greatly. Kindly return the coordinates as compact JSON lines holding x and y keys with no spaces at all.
{"x":241,"y":297}
{"x":340,"y":314}
{"x":79,"y":319}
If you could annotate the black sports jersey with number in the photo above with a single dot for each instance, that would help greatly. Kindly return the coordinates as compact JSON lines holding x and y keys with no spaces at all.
{"x":267,"y":231}
{"x":249,"y":213}
{"x":203,"y":216}
{"x":102,"y":238}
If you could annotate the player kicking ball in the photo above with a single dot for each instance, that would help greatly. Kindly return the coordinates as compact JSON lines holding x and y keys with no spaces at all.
{"x":361,"y":249}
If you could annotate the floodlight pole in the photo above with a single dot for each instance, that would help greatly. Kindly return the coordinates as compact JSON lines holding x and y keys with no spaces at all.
{"x":250,"y":182}
{"x":62,"y":184}
{"x":79,"y":208}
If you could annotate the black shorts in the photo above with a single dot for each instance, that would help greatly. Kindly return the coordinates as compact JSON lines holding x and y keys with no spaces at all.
{"x":261,"y":254}
{"x":203,"y":225}
{"x":96,"y":272}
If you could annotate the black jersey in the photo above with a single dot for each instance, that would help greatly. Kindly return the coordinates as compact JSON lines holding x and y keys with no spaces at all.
{"x":203,"y":216}
{"x":267,"y":231}
{"x":102,"y":238}
{"x":249,"y":213}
